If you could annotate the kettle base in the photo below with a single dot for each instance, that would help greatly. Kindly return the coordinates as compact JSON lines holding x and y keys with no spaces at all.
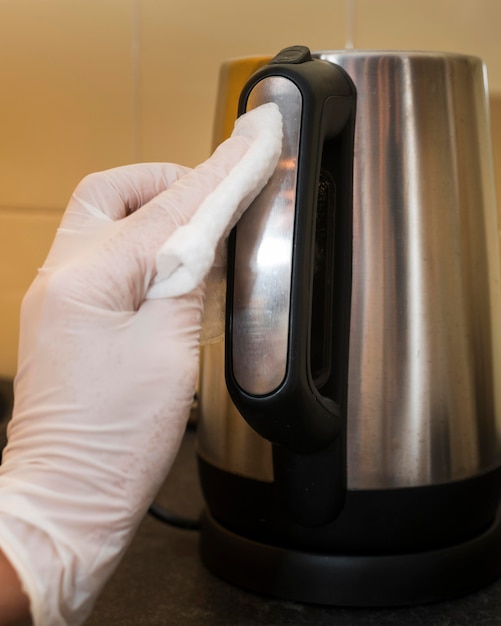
{"x":352,"y":580}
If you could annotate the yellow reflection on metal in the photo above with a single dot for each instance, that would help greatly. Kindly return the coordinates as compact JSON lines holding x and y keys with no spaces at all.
{"x":233,"y":76}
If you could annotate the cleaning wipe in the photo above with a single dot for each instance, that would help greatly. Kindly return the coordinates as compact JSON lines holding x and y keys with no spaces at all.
{"x":198,"y":249}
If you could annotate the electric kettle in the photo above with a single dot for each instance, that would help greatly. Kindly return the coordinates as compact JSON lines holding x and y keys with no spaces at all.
{"x":349,"y":441}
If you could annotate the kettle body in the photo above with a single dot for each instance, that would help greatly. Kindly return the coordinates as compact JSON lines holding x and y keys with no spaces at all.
{"x":352,"y":453}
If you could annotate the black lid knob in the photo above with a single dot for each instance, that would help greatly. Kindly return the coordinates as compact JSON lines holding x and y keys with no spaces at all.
{"x":293,"y":55}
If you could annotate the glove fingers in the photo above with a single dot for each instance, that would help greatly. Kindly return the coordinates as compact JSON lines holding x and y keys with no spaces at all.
{"x":117,"y":192}
{"x":127,"y":259}
{"x":104,"y":197}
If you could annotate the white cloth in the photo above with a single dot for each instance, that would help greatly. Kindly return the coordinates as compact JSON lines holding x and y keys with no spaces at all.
{"x":187,"y":256}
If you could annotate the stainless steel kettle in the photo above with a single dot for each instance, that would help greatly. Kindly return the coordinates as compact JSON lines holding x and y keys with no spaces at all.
{"x":358,"y":459}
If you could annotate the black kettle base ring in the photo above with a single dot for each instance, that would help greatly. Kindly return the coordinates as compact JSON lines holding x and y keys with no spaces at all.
{"x":352,"y":580}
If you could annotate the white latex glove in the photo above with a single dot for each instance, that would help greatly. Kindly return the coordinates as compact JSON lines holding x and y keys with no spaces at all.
{"x":106,"y":379}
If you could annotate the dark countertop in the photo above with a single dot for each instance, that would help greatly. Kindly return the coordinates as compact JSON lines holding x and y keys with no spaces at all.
{"x":161,"y":581}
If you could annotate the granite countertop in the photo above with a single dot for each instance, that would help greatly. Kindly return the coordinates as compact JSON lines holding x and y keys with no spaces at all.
{"x":162,"y":582}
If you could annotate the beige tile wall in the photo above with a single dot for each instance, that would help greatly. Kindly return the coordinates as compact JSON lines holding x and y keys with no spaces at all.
{"x":90,"y":85}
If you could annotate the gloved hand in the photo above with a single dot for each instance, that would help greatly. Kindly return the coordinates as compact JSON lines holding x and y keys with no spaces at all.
{"x":106,"y":378}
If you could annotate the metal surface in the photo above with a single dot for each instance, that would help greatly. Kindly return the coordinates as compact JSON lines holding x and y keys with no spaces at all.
{"x":424,"y":397}
{"x":263,"y":256}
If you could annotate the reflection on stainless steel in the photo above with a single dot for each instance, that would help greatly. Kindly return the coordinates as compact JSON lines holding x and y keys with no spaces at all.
{"x":263,"y":259}
{"x":424,"y":397}
{"x":224,"y":438}
{"x":424,"y":381}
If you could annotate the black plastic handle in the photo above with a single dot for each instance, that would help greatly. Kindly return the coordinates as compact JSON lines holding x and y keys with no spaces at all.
{"x":305,"y":416}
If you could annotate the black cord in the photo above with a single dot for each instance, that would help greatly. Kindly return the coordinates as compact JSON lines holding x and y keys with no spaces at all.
{"x":172,"y":519}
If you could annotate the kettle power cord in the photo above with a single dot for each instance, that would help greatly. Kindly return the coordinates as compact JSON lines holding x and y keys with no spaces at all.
{"x":173,"y":519}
